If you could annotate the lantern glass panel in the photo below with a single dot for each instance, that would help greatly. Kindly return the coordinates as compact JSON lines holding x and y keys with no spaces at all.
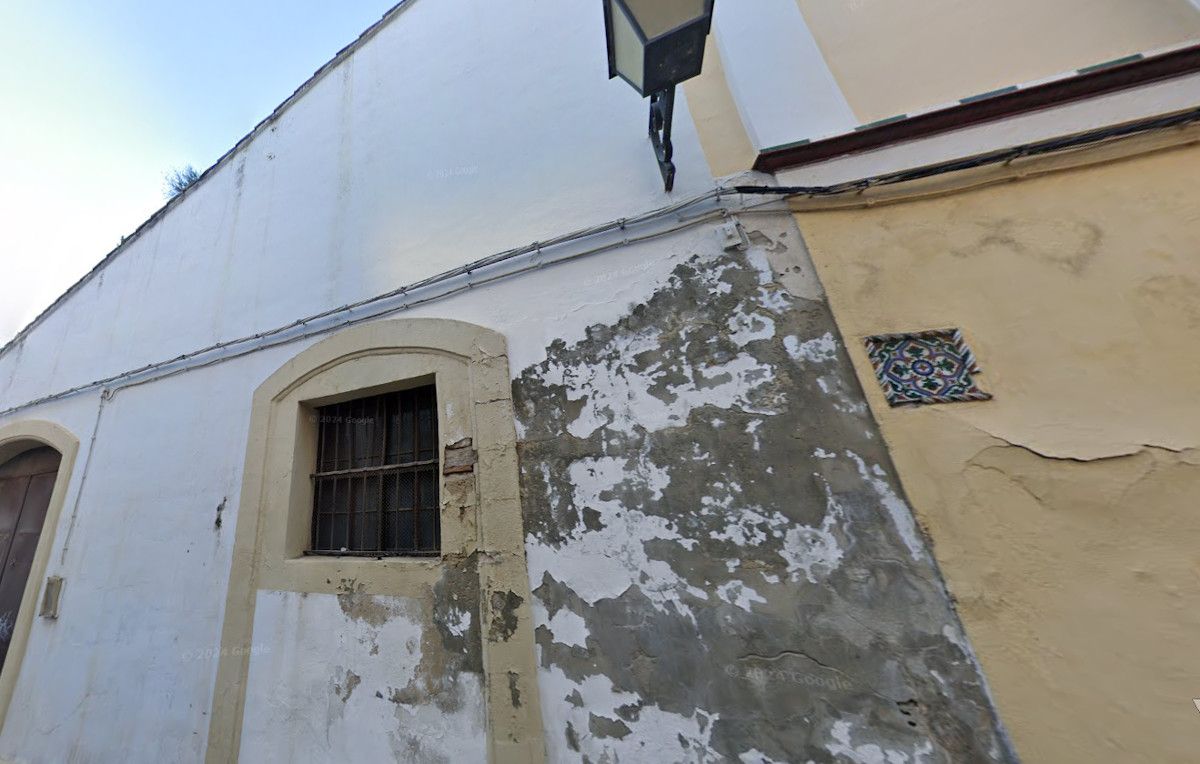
{"x":628,"y":53}
{"x":658,"y":16}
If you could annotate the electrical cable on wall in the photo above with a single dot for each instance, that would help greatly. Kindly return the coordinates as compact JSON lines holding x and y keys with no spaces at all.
{"x":279,"y":335}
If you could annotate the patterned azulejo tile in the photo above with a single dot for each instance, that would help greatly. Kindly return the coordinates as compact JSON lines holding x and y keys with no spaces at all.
{"x":925,"y":367}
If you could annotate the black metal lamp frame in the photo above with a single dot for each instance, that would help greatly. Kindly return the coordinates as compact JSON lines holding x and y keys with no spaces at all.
{"x":670,"y":58}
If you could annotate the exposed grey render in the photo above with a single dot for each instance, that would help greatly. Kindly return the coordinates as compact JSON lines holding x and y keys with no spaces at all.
{"x":723,"y":566}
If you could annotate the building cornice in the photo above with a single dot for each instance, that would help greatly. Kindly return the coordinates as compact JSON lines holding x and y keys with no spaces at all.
{"x":1109,"y":77}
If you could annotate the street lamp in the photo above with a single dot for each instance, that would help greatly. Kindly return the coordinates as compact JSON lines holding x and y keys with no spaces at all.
{"x":654,"y":45}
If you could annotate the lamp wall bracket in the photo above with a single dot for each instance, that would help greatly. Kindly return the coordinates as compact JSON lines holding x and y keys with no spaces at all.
{"x":662,"y":111}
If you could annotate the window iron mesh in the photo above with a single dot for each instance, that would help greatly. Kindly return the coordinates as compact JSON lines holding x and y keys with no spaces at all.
{"x":375,"y":490}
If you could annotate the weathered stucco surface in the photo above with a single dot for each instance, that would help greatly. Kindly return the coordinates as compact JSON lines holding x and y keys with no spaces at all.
{"x":721,"y":564}
{"x":1063,"y":512}
{"x":365,"y":678}
{"x":360,"y":677}
{"x":443,"y":646}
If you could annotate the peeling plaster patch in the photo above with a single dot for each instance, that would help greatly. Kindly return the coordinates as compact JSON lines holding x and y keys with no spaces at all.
{"x":900,"y":513}
{"x":957,"y":639}
{"x":774,"y":299}
{"x":617,"y":395}
{"x":747,"y":529}
{"x":823,"y":349}
{"x":761,"y":264}
{"x":358,"y":605}
{"x":514,"y":689}
{"x":566,"y":627}
{"x":504,"y":615}
{"x":737,"y":593}
{"x":604,"y":563}
{"x":308,"y":702}
{"x":602,"y":726}
{"x":712,"y":278}
{"x":846,"y":400}
{"x":752,"y":430}
{"x":871,"y":753}
{"x":745,"y":328}
{"x":654,"y":734}
{"x":807,"y":549}
{"x":345,"y":685}
{"x":421,"y":733}
{"x":458,"y":622}
{"x":638,"y":507}
{"x":754,"y":756}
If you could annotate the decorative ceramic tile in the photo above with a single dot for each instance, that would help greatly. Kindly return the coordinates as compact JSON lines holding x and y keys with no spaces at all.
{"x":925,"y":367}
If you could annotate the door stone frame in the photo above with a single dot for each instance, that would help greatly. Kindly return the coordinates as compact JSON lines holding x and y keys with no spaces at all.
{"x":15,"y":439}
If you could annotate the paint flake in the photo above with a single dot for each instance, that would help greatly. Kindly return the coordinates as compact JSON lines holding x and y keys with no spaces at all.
{"x":617,"y":394}
{"x":737,"y":593}
{"x":656,"y":735}
{"x":815,"y":551}
{"x":871,"y":753}
{"x":459,"y":622}
{"x":568,"y":628}
{"x":901,"y":515}
{"x":823,"y":349}
{"x":603,"y":564}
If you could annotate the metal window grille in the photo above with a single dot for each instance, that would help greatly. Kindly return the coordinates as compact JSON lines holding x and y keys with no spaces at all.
{"x":375,"y":490}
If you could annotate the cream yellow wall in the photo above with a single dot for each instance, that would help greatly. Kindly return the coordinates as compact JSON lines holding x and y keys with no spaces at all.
{"x":1065,"y":513}
{"x":722,"y":134}
{"x":891,"y":57}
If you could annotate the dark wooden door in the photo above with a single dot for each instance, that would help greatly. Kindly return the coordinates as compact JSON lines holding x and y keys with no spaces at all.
{"x":26,"y":482}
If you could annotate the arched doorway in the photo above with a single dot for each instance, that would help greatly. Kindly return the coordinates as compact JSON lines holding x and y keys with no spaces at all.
{"x":26,"y":484}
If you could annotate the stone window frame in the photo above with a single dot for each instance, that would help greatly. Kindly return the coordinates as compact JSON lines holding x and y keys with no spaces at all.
{"x":481,"y":507}
{"x":15,"y":439}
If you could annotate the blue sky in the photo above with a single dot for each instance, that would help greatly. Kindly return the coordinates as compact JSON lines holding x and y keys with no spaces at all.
{"x":98,"y":101}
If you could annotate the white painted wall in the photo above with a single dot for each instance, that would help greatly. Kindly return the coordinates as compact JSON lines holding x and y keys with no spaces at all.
{"x":126,"y":672}
{"x":459,"y":130}
{"x":421,"y":152}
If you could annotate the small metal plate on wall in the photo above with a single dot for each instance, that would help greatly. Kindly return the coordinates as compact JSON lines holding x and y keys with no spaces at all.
{"x":50,"y":597}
